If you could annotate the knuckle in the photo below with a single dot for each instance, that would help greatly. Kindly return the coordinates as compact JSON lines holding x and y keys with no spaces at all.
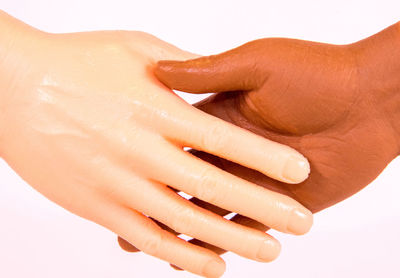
{"x":215,"y":137}
{"x":182,"y":221}
{"x":207,"y":187}
{"x":152,"y":244}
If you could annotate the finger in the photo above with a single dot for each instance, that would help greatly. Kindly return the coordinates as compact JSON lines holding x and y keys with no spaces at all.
{"x":186,"y":218}
{"x":159,"y":202}
{"x":151,"y":239}
{"x":237,"y":219}
{"x":182,"y":124}
{"x":219,"y":211}
{"x":240,"y":219}
{"x":229,"y":71}
{"x":215,"y":186}
{"x":204,"y":132}
{"x":147,"y":236}
{"x":125,"y":245}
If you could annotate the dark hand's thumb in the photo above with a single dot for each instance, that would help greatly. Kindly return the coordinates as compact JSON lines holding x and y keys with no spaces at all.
{"x":230,"y":71}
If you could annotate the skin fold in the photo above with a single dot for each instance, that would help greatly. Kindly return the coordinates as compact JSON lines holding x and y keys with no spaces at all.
{"x":87,"y":124}
{"x":338,"y":105}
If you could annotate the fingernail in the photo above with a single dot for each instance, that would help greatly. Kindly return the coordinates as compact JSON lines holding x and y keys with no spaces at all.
{"x":166,"y":64}
{"x":214,"y":269}
{"x":296,"y":169}
{"x":300,"y":221}
{"x":269,"y":250}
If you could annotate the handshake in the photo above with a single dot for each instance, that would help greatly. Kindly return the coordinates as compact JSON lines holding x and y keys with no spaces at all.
{"x":293,"y":127}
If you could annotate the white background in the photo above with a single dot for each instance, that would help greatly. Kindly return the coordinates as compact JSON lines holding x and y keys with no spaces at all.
{"x":359,"y":237}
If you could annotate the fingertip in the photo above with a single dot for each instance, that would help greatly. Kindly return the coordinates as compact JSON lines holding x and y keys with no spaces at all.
{"x":269,"y":250}
{"x":300,"y":221}
{"x":296,"y":169}
{"x":165,"y":65}
{"x":204,"y":74}
{"x":214,"y":268}
{"x":164,"y":71}
{"x":126,"y":246}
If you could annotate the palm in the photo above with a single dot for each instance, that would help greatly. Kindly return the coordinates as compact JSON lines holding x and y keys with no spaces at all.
{"x":344,"y":157}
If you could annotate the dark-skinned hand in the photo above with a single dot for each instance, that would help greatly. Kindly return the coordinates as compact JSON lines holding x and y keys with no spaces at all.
{"x":338,"y":105}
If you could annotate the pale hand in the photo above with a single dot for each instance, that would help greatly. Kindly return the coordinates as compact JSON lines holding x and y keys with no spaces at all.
{"x":85,"y":122}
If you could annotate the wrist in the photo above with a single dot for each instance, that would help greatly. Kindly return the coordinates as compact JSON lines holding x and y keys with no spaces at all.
{"x":16,"y":43}
{"x":379,"y":72}
{"x":15,"y":37}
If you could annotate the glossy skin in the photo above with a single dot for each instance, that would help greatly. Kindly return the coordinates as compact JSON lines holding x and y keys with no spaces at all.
{"x":339,"y":105}
{"x":86,"y":123}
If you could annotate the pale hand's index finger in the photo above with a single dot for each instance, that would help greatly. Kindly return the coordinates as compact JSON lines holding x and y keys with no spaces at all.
{"x":207,"y":133}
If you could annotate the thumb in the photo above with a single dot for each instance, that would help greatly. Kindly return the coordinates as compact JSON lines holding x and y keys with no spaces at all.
{"x":233,"y":70}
